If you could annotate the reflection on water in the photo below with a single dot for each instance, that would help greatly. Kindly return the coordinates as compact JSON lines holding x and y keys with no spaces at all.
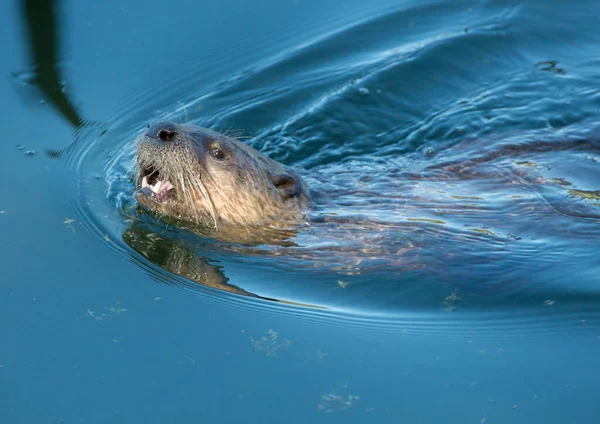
{"x":175,"y":257}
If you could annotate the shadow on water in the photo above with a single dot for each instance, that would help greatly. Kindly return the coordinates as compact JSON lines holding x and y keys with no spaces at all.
{"x":41,"y":21}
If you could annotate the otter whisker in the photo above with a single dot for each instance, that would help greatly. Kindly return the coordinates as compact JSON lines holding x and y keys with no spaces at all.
{"x":185,"y":192}
{"x":132,"y":169}
{"x":237,"y":134}
{"x":129,"y":150}
{"x":264,"y":142}
{"x":230,"y":132}
{"x":183,"y":106}
{"x":209,"y":203}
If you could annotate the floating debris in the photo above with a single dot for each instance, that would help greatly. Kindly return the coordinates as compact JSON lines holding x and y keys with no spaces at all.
{"x":116,"y":309}
{"x":94,"y":315}
{"x":321,"y":354}
{"x":560,"y":181}
{"x":270,"y":343}
{"x":27,"y":151}
{"x":483,"y":231}
{"x":582,"y":194}
{"x":449,"y":308}
{"x":549,"y":302}
{"x":467,"y":198}
{"x":550,"y":66}
{"x":363,"y":91}
{"x":342,"y":284}
{"x":112,"y":311}
{"x":526,"y":163}
{"x":431,"y":221}
{"x":449,"y":300}
{"x":452,"y":298}
{"x":68,"y":222}
{"x":331,"y":402}
{"x":319,"y":357}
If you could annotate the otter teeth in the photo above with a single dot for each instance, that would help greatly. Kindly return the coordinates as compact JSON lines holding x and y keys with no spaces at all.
{"x":160,"y":188}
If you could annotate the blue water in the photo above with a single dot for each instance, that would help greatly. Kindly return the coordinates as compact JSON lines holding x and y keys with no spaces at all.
{"x":450,"y":273}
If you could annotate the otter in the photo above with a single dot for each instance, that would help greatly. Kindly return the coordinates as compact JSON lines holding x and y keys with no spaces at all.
{"x":198,"y":175}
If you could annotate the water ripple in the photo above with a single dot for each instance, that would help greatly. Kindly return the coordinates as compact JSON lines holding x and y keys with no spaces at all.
{"x":454,"y":169}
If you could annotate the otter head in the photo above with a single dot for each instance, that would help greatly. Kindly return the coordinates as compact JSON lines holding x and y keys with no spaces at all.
{"x":195,"y":174}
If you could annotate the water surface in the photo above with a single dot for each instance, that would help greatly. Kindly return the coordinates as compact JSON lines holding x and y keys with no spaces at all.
{"x":450,"y":272}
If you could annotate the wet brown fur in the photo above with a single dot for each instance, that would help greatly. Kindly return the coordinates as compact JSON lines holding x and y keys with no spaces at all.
{"x":246,"y":188}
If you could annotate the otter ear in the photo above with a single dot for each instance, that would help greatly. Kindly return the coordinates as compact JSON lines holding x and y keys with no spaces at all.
{"x":286,"y":184}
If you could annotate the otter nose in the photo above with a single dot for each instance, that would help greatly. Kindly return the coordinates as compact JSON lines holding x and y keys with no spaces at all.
{"x":163,"y":131}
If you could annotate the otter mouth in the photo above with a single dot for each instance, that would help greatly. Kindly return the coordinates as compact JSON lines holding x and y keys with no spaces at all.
{"x":153,"y":184}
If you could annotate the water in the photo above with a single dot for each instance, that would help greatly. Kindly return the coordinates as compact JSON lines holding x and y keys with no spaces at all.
{"x":450,"y":273}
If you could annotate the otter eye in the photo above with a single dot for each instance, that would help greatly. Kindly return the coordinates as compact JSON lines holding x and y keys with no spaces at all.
{"x":217,"y":153}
